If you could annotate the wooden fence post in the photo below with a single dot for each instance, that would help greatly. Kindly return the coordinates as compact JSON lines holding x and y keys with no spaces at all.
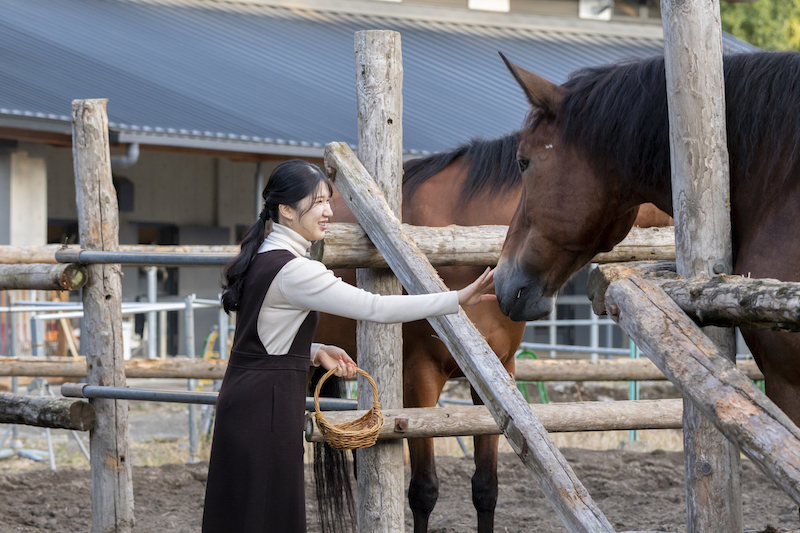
{"x":101,"y":340}
{"x":701,"y":206}
{"x":379,"y":93}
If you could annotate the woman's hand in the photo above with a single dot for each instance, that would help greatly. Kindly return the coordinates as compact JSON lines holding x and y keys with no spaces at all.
{"x":477,"y":291}
{"x":330,"y":357}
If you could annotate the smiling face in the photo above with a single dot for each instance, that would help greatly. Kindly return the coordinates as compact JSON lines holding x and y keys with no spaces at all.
{"x":310,"y":218}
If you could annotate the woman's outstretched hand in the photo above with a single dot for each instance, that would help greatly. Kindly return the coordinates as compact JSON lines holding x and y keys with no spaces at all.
{"x":478,"y":291}
{"x":330,"y":357}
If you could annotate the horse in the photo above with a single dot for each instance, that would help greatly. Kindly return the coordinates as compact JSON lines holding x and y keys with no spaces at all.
{"x":594,"y":148}
{"x":477,"y":183}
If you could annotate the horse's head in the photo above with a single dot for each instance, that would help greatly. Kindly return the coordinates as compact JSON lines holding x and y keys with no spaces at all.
{"x":565,"y":216}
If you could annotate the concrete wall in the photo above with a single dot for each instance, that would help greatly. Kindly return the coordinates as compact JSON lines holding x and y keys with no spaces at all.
{"x":23,"y":195}
{"x":5,"y":196}
{"x":179,"y":189}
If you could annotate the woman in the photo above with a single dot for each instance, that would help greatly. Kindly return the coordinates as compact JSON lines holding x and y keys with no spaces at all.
{"x":255,"y":476}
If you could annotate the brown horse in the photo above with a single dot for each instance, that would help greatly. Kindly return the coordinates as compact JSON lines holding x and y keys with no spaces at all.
{"x":598,"y":146}
{"x":478,"y":183}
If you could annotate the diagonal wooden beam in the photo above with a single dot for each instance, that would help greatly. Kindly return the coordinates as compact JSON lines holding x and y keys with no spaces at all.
{"x":525,"y":433}
{"x":724,"y":395}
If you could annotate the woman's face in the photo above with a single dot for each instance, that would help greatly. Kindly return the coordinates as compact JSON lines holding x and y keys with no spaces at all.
{"x":311,"y":219}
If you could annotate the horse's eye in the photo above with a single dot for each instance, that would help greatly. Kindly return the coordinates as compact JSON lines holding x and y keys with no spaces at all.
{"x":523,"y":164}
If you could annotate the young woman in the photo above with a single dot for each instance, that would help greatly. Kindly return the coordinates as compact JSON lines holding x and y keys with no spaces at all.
{"x":255,"y":476}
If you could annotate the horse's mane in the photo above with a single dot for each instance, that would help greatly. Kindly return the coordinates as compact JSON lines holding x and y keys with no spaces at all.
{"x":492,"y":167}
{"x":617,"y":115}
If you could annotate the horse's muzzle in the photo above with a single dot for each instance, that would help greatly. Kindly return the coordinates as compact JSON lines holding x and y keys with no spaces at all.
{"x":519,"y":294}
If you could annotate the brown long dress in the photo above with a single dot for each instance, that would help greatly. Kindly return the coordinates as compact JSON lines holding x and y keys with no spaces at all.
{"x":255,"y":476}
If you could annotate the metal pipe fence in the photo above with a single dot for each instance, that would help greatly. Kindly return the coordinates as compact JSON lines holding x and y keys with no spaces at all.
{"x":82,"y":390}
{"x":173,"y":259}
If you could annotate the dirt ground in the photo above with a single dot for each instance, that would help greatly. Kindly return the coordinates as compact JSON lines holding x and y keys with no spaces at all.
{"x":637,"y":490}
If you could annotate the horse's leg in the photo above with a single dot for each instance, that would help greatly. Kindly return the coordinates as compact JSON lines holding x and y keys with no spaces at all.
{"x":422,"y":383}
{"x":484,"y":482}
{"x":776,"y":355}
{"x":775,"y":352}
{"x":423,"y":489}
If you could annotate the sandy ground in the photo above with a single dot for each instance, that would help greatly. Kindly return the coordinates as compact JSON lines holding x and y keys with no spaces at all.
{"x":637,"y":490}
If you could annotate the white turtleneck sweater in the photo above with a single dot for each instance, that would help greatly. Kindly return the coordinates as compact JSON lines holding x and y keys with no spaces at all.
{"x":303,"y":285}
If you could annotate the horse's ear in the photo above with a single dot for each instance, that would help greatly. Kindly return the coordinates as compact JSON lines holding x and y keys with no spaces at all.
{"x":540,"y":92}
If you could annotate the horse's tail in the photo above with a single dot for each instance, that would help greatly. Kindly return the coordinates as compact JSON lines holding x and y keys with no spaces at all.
{"x":335,"y":501}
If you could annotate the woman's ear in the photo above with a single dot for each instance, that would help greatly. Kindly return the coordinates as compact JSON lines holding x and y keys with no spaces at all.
{"x":286,"y":212}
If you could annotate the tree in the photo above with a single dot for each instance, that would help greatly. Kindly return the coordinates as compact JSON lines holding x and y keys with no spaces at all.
{"x":768,"y":24}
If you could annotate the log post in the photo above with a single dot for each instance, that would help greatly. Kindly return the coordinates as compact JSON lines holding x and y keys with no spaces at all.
{"x":701,"y":207}
{"x":480,"y":364}
{"x":98,"y":223}
{"x":58,"y":413}
{"x":42,"y":277}
{"x":710,"y":381}
{"x":379,"y":86}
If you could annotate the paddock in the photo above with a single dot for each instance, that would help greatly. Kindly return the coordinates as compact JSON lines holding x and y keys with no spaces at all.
{"x":523,"y":427}
{"x":111,"y":477}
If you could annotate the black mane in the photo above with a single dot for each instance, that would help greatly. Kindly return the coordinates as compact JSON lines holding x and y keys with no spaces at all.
{"x":492,"y":167}
{"x":617,"y":114}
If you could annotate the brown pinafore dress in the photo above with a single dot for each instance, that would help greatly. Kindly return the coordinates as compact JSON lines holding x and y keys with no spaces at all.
{"x":255,"y":475}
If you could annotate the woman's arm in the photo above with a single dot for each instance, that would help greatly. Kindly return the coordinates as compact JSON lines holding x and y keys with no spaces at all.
{"x":306,"y":284}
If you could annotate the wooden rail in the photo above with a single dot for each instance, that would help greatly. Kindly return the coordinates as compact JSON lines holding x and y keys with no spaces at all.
{"x":59,"y":413}
{"x":346,"y":245}
{"x":463,"y":420}
{"x":42,"y":277}
{"x":721,"y":300}
{"x":185,"y":367}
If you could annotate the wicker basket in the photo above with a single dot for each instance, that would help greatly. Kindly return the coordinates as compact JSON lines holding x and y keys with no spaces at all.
{"x":360,"y":433}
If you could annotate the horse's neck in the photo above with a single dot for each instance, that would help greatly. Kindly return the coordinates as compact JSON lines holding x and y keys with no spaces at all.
{"x":437,"y":202}
{"x":660,"y":197}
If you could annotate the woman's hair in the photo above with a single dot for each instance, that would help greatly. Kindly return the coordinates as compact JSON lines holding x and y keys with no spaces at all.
{"x":289,"y":184}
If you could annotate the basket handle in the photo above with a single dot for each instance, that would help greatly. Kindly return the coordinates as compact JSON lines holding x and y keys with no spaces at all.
{"x":375,"y":403}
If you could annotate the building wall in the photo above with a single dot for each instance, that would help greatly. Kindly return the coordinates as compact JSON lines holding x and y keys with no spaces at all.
{"x":180,"y":189}
{"x":621,"y":11}
{"x":561,"y":8}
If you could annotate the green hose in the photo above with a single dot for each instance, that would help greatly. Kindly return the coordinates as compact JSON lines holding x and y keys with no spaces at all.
{"x":523,"y":385}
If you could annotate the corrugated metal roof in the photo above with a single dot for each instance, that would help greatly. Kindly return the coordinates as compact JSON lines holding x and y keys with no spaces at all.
{"x":267,"y":78}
